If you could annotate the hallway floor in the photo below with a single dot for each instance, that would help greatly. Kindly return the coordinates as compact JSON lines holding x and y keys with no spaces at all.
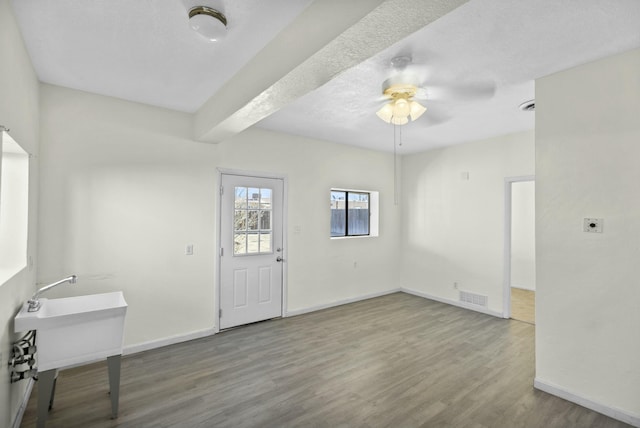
{"x":523,"y":305}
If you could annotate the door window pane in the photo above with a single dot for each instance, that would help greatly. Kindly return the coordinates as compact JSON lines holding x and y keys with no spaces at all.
{"x":265,"y":242}
{"x":253,"y":244}
{"x":265,"y":220}
{"x":252,"y":221}
{"x":254,"y":197}
{"x":240,"y":220}
{"x":239,"y":243}
{"x":241,"y":197}
{"x":265,"y":199}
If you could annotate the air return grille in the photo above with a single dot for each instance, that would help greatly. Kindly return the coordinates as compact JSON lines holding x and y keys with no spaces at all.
{"x":473,"y":299}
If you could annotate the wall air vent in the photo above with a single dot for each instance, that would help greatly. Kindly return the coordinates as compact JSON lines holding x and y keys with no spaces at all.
{"x":474,"y":299}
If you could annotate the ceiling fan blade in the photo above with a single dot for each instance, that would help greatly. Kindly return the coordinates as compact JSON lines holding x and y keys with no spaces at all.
{"x":458,"y":92}
{"x":433,"y":116}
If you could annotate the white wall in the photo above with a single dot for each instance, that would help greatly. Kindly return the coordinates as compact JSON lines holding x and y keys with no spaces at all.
{"x":124,"y":189}
{"x":523,"y":235}
{"x":322,"y":271}
{"x":453,"y":228}
{"x":588,"y":294}
{"x":19,"y":112}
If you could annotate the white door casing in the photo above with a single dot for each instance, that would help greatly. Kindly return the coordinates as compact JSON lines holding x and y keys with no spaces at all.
{"x":251,"y":256}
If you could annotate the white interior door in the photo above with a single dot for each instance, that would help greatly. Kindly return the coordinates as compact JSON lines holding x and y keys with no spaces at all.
{"x":251,"y":255}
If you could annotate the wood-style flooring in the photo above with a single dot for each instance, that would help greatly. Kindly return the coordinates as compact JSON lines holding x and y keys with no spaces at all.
{"x":523,"y":305}
{"x":393,"y":361}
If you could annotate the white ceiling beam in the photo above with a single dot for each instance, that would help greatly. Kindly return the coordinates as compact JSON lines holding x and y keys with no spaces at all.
{"x":329,"y":37}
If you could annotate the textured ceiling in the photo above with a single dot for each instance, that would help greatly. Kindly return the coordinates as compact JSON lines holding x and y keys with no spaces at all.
{"x":299,"y":67}
{"x":484,"y":43}
{"x":144,"y":50}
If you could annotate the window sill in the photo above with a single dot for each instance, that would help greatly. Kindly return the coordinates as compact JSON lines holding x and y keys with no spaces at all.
{"x":7,"y":273}
{"x":337,"y":238}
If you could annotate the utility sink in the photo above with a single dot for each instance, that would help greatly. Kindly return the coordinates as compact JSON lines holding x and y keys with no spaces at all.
{"x":75,"y":330}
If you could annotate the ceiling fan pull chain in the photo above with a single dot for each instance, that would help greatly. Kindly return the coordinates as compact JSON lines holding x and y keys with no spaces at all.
{"x":396,"y":198}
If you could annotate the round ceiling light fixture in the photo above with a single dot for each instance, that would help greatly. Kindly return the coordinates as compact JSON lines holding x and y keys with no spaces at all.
{"x":208,"y":22}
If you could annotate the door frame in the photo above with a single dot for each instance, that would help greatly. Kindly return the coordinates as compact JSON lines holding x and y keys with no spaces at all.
{"x":285,"y":246}
{"x":506,"y":271}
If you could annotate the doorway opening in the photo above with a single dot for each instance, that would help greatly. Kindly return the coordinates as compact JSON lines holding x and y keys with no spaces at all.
{"x":520,"y":262}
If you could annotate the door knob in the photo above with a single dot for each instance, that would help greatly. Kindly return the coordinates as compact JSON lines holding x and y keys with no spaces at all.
{"x":279,"y":259}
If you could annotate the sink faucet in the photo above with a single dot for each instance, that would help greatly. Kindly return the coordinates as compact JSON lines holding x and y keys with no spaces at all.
{"x":34,"y":303}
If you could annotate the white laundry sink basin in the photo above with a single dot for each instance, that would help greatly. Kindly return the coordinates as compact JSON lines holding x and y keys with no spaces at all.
{"x":75,"y":330}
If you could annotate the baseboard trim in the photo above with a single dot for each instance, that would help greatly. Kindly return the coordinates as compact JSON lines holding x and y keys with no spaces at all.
{"x":172,"y":340}
{"x":23,"y":404}
{"x":153,"y":344}
{"x":306,"y":310}
{"x":451,"y":302}
{"x":612,"y":412}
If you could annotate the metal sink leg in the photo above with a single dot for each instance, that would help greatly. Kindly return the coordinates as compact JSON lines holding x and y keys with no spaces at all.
{"x":113,"y":363}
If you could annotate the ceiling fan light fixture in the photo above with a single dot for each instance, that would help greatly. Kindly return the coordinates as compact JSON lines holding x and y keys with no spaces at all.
{"x":401,"y":108}
{"x":208,"y":22}
{"x":417,"y":110}
{"x":386,"y":113}
{"x":400,"y":120}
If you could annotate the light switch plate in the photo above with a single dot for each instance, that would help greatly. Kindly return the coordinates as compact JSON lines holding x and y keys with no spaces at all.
{"x":592,"y":225}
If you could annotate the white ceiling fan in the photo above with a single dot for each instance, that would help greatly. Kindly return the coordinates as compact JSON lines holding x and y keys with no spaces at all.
{"x":408,"y":93}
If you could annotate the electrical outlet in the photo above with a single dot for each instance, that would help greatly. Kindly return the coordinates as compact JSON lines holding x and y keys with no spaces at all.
{"x":189,"y":250}
{"x":455,"y":285}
